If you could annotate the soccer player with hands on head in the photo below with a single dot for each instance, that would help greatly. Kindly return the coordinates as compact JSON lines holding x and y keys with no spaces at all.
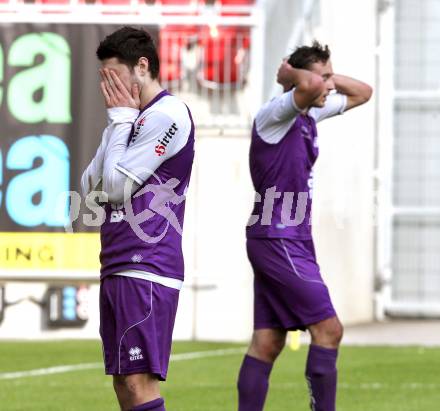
{"x":289,"y":292}
{"x":143,"y":166}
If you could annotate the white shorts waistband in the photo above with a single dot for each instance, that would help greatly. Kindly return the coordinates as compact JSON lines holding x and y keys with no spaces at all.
{"x":154,"y":278}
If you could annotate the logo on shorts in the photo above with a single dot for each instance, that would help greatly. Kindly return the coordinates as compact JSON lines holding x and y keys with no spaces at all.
{"x":135,"y":353}
{"x":137,"y":258}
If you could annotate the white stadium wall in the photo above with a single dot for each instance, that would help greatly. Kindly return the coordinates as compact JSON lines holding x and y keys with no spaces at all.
{"x":345,"y":200}
{"x":217,"y":298}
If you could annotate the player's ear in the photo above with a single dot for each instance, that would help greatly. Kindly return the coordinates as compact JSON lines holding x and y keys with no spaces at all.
{"x":143,"y":66}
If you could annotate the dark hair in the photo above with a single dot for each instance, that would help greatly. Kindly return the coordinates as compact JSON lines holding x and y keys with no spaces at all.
{"x":128,"y":45}
{"x":304,"y":56}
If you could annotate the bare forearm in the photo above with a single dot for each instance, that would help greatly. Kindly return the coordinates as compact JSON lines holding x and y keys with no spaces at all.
{"x":308,"y":85}
{"x":299,"y":76}
{"x":289,"y":77}
{"x":357,"y":91}
{"x":352,"y":87}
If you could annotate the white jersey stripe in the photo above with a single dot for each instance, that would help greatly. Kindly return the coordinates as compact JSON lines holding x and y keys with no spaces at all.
{"x":154,"y":278}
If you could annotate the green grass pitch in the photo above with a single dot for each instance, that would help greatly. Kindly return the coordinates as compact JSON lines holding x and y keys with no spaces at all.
{"x":370,"y":379}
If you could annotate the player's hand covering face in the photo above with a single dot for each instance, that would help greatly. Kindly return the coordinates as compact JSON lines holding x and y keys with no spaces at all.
{"x":116,"y":93}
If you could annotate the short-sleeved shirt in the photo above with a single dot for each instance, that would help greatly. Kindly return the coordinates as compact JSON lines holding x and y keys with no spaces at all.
{"x":144,"y":234}
{"x":283,"y":150}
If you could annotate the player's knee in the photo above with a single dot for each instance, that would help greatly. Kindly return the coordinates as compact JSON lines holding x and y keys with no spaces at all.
{"x":268,"y":349}
{"x":122,"y":384}
{"x":131,"y":385}
{"x":341,"y":332}
{"x":118,"y":381}
{"x":327,"y":333}
{"x":336,"y":333}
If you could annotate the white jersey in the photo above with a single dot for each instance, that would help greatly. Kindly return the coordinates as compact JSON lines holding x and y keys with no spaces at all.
{"x":161,"y":130}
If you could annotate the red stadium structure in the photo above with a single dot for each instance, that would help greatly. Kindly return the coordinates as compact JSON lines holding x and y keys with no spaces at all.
{"x":225,"y":61}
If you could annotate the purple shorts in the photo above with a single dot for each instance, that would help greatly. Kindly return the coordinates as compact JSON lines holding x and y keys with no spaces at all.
{"x":136,"y":325}
{"x":289,"y":292}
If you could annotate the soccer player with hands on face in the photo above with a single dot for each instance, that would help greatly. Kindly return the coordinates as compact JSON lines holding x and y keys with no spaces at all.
{"x":143,"y":167}
{"x":289,"y":292}
{"x":116,"y":93}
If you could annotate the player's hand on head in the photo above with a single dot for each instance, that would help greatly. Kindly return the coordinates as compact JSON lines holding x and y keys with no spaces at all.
{"x":115,"y":93}
{"x":284,"y":75}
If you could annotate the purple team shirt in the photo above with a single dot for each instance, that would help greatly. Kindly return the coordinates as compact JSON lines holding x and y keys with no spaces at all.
{"x":283,"y":150}
{"x":155,"y":246}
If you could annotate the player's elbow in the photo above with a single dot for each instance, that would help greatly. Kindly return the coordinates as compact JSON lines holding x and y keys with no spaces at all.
{"x":362,"y":95}
{"x":366,"y":93}
{"x":118,"y":186}
{"x":115,"y":196}
{"x":313,"y":86}
{"x":115,"y":192}
{"x":85,"y":183}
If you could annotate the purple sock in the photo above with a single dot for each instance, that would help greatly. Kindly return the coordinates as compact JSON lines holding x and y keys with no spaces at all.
{"x":156,"y":405}
{"x":253,"y":383}
{"x":321,"y":375}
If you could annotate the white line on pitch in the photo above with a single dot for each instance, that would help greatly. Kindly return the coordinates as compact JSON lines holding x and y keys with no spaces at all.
{"x":369,"y":385}
{"x":51,"y":370}
{"x":204,"y":354}
{"x":97,"y":365}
